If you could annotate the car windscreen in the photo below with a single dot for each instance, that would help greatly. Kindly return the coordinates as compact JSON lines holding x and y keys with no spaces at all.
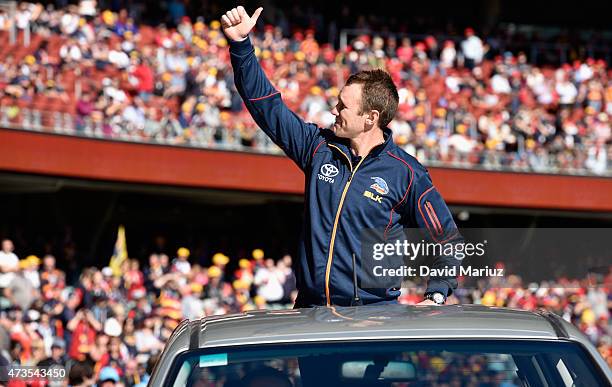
{"x":391,"y":363}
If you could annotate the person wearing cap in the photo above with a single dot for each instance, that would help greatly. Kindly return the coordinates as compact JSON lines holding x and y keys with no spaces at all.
{"x":20,"y":291}
{"x":58,"y":354}
{"x":448,"y":55}
{"x":472,"y":49}
{"x":107,"y":273}
{"x":112,"y":327}
{"x":357,"y":179}
{"x":216,"y":287}
{"x":185,"y":29}
{"x":180,"y":263}
{"x":245,"y":271}
{"x":30,"y":271}
{"x":221,"y":260}
{"x":108,"y":377}
{"x":258,"y":254}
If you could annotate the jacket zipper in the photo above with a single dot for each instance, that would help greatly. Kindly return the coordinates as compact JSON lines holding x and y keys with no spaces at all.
{"x":336,"y":220}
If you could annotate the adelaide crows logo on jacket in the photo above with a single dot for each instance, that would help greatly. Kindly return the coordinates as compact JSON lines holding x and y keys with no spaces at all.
{"x":380,"y":185}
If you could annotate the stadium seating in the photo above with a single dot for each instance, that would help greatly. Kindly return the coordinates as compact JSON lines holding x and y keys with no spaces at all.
{"x":497,"y":112}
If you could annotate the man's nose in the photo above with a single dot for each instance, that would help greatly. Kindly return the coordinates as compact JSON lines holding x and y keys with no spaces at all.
{"x":334,"y":111}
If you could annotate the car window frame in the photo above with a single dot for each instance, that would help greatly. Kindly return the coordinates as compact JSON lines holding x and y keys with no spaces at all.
{"x":472,"y":346}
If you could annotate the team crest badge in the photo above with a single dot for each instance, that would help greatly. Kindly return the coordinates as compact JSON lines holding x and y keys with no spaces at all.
{"x":380,"y":186}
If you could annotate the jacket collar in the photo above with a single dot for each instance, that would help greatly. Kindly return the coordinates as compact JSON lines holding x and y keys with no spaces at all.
{"x":388,"y":136}
{"x":345,"y":146}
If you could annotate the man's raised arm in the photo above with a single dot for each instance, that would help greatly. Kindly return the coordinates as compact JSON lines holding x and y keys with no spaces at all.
{"x":263,"y":101}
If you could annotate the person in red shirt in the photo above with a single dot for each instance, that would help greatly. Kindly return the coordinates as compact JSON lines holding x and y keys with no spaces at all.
{"x":145,"y":77}
{"x":405,"y":51}
{"x":84,"y":328}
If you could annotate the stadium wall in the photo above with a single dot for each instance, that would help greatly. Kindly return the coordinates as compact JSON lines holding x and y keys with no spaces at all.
{"x":75,"y":157}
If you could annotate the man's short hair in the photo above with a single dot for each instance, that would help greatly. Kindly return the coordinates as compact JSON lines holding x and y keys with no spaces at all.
{"x":378,"y":93}
{"x":79,"y":372}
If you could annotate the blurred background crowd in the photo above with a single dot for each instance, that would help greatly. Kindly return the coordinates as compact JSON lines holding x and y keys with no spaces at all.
{"x":464,"y":99}
{"x":111,"y":322}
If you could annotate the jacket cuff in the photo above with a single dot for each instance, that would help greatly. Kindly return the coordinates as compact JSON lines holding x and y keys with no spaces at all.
{"x":242,"y":47}
{"x":438,"y":286}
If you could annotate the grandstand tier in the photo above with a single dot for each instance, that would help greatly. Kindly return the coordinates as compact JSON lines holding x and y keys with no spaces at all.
{"x":199,"y":168}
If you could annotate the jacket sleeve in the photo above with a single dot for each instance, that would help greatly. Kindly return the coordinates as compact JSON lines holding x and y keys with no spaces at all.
{"x":426,"y":210}
{"x":264,"y":102}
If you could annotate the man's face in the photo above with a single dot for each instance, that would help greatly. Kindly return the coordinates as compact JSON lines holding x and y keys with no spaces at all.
{"x":350,"y":122}
{"x":57,"y":352}
{"x":49,"y":262}
{"x":7,"y":246}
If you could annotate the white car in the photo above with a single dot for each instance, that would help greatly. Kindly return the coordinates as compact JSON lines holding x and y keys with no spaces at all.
{"x":455,"y":345}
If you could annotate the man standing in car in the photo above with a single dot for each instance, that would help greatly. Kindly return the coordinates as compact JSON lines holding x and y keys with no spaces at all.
{"x":356,"y":177}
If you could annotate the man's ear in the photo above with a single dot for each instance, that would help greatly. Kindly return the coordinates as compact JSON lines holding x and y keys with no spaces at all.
{"x":372,"y":117}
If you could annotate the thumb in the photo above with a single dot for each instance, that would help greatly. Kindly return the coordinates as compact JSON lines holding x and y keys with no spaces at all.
{"x":242,"y":11}
{"x":256,"y":15}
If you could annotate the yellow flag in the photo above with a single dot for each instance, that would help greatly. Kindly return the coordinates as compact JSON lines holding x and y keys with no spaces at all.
{"x":119,"y":253}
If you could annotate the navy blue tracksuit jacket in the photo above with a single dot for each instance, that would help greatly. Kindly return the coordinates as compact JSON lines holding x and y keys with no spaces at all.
{"x":386,"y":190}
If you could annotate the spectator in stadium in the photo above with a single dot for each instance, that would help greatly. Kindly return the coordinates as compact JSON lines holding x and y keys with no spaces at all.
{"x":58,"y":356}
{"x":180,"y":263}
{"x":289,"y":281}
{"x":5,"y":20}
{"x":20,"y":291}
{"x":144,"y":78}
{"x":109,"y":377}
{"x":24,"y":16}
{"x":81,"y":374}
{"x":84,"y":110}
{"x":448,"y":56}
{"x":270,"y":280}
{"x":30,"y":271}
{"x":9,"y":262}
{"x":472,"y":48}
{"x":359,"y":133}
{"x":84,"y":329}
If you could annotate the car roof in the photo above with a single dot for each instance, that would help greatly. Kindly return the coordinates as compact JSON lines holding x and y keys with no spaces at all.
{"x":367,"y":323}
{"x":373,"y":322}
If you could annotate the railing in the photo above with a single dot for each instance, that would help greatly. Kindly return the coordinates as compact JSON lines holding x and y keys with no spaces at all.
{"x":68,"y":124}
{"x":536,"y":50}
{"x":231,"y":140}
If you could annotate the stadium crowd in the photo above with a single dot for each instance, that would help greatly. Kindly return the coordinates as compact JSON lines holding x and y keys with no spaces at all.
{"x":461,"y":102}
{"x":112,"y":322}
